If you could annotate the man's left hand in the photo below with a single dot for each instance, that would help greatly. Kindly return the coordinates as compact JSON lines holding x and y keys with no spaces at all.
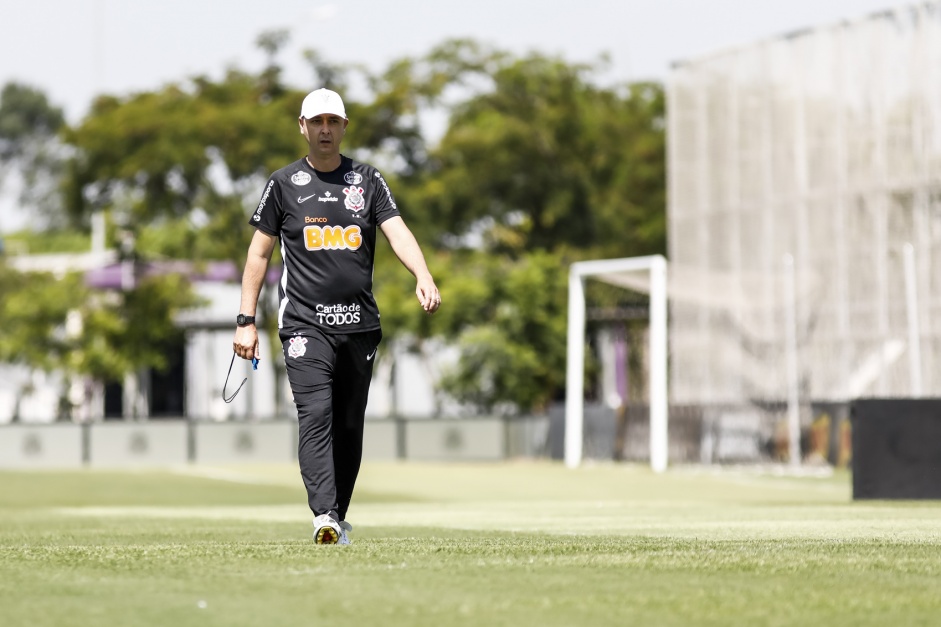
{"x":428,"y":295}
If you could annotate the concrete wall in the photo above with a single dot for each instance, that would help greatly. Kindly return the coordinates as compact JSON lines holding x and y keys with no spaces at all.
{"x":175,"y":442}
{"x":236,"y":442}
{"x":41,"y":446}
{"x":138,"y":444}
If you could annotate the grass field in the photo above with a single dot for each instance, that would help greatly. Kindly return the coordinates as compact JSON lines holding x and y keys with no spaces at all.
{"x":489,"y":544}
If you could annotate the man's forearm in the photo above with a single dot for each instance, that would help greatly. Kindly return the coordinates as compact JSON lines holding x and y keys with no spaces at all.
{"x":406,"y":248}
{"x":256,"y":265}
{"x":252,"y":280}
{"x":409,"y":253}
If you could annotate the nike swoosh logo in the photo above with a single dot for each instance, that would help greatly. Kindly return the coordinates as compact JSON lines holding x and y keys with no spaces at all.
{"x":372,"y":354}
{"x":300,"y":200}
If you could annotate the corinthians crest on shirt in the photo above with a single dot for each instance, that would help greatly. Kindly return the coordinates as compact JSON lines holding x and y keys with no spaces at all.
{"x":354,"y":198}
{"x":298,"y":346}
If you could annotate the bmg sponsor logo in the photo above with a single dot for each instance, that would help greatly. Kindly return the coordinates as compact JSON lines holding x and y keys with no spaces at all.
{"x":332,"y":237}
{"x":336,"y":315}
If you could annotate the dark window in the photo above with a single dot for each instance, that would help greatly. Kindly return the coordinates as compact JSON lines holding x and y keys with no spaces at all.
{"x":167,"y":389}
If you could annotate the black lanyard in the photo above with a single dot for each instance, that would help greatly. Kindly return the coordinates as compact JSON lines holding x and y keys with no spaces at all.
{"x":254,"y":367}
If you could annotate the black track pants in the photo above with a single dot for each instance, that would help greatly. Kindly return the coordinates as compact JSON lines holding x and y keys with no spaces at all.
{"x":330,"y":377}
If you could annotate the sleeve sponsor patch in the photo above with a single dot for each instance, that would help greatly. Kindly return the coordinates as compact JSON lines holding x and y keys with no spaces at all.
{"x":388,"y":191}
{"x":264,"y":199}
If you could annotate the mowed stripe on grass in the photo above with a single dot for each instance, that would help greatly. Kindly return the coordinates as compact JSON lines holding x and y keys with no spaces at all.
{"x":490,"y":544}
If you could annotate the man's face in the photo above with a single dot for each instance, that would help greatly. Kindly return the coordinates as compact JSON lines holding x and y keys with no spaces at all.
{"x":324,"y":133}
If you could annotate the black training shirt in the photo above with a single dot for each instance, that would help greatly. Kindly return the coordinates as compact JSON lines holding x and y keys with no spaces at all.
{"x":327,"y":225}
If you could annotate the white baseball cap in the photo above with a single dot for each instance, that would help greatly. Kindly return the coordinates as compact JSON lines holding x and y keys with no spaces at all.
{"x":322,"y":102}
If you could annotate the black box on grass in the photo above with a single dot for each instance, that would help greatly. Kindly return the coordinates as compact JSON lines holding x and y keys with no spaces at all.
{"x":896,"y":448}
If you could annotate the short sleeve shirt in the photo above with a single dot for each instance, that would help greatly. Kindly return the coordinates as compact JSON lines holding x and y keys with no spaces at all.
{"x":326,"y":222}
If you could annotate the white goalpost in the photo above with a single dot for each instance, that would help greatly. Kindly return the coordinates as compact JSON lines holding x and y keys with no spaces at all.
{"x":607,"y":270}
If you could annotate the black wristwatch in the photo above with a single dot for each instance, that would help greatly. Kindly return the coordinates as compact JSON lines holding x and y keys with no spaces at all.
{"x":243,"y":321}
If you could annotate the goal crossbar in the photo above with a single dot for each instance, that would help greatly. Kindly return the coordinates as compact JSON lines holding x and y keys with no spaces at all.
{"x":656,"y":266}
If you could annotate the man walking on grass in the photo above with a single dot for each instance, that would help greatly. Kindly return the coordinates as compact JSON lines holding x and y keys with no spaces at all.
{"x":324,"y":209}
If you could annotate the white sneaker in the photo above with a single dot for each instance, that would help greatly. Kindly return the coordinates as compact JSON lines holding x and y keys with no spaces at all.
{"x":344,"y":528}
{"x":326,"y":530}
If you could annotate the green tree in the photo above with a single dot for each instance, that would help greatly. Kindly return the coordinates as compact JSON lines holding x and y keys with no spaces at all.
{"x":545,"y":159}
{"x":26,"y":118}
{"x":538,"y":167}
{"x":506,"y":316}
{"x":34,"y":310}
{"x":29,"y":124}
{"x":509,"y":323}
{"x":125,"y":331}
{"x":59,"y":323}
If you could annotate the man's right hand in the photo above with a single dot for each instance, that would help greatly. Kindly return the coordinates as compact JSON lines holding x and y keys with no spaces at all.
{"x":246,"y":342}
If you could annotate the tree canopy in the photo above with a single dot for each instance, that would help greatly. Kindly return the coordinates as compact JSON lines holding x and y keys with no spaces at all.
{"x":546,"y":160}
{"x":60,"y":323}
{"x":29,"y":125}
